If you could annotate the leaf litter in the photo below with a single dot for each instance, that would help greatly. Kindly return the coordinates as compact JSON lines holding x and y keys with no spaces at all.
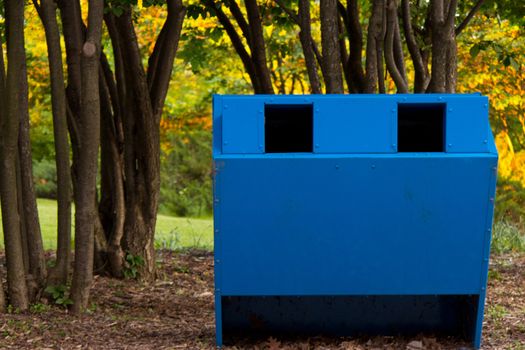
{"x":177,"y":312}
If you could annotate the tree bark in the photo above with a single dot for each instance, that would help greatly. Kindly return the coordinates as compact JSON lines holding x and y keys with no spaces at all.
{"x":112,"y":203}
{"x":17,"y":287}
{"x":161,"y":71}
{"x":390,"y":59}
{"x":142,"y":155}
{"x":237,"y":43}
{"x":443,"y":46}
{"x":399,"y":56}
{"x":257,"y":46}
{"x":330,"y":47}
{"x":85,"y":195}
{"x":469,"y":17}
{"x":374,"y":38}
{"x":29,"y":214}
{"x":305,"y":36}
{"x":421,"y":77}
{"x":2,"y":119}
{"x":59,"y":273}
{"x":72,"y":27}
{"x":355,"y":36}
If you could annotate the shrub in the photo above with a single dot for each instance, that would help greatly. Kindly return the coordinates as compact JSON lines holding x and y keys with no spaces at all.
{"x":510,"y":203}
{"x":45,"y":175}
{"x":507,"y":238}
{"x":186,"y":180}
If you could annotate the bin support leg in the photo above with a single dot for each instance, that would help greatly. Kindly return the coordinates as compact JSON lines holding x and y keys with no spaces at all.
{"x":479,"y":321}
{"x":218,"y":320}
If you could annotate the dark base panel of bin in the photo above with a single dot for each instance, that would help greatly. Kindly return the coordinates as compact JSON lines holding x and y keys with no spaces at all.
{"x":289,"y":316}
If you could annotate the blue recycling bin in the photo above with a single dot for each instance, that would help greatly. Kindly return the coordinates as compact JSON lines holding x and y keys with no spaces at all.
{"x":352,"y":214}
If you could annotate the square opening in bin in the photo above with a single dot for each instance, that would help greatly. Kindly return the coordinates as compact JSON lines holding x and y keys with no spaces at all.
{"x":421,"y":127}
{"x":288,"y":128}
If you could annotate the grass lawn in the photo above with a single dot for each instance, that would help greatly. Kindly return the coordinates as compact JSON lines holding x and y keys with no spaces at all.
{"x":172,"y":232}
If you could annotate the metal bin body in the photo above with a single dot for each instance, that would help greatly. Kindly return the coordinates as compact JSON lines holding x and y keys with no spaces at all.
{"x":379,"y":223}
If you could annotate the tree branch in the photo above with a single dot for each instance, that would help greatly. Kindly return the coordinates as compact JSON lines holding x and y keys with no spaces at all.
{"x":421,"y":73}
{"x":329,"y":39}
{"x":355,"y":35}
{"x":451,"y":14}
{"x":389,"y":49}
{"x":374,"y":33}
{"x":469,"y":17}
{"x":288,"y":11}
{"x":258,"y":46}
{"x":38,"y":8}
{"x":297,"y":20}
{"x":305,"y":35}
{"x":236,"y":42}
{"x":241,"y":21}
{"x":399,"y":56}
{"x":168,"y":49}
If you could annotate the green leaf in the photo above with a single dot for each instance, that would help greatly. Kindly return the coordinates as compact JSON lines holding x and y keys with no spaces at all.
{"x":474,"y":50}
{"x":514,"y":64}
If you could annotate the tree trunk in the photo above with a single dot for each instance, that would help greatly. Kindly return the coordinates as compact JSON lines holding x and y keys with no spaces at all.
{"x":131,"y":144}
{"x":374,"y":37}
{"x":237,"y":44}
{"x":355,"y":59}
{"x":18,"y":295}
{"x":332,"y":71}
{"x":392,"y":64}
{"x":2,"y":119}
{"x":59,"y":274}
{"x":421,"y":78}
{"x":305,"y":36}
{"x":142,"y":155}
{"x":85,"y":195}
{"x":23,"y":233}
{"x":29,"y":213}
{"x":112,"y":206}
{"x":72,"y":27}
{"x":443,"y":46}
{"x":257,"y":46}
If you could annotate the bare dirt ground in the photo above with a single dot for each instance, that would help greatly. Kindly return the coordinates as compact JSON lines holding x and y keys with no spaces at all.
{"x":177,"y":313}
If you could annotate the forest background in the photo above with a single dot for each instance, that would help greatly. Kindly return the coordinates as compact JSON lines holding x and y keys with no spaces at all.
{"x":490,"y":61}
{"x":224,"y":48}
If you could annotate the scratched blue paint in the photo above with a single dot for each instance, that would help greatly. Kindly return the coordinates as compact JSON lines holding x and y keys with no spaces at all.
{"x":354,"y":217}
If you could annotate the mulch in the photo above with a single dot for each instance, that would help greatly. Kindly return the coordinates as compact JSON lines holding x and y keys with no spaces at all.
{"x":176,"y":312}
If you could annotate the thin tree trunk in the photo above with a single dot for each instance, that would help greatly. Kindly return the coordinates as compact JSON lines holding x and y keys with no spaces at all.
{"x":452,"y":68}
{"x":330,"y":46}
{"x":59,"y":274}
{"x":257,"y":46}
{"x":23,"y":233}
{"x":85,"y":195}
{"x":112,"y":204}
{"x":29,"y":214}
{"x":16,"y":279}
{"x":305,"y":36}
{"x":237,"y":43}
{"x":421,"y":77}
{"x":390,"y":60}
{"x":380,"y":56}
{"x":373,"y":60}
{"x":3,"y":100}
{"x":399,"y":56}
{"x":443,"y":46}
{"x":355,"y":35}
{"x":74,"y":39}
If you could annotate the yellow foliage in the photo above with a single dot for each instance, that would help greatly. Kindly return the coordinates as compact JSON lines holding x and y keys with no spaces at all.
{"x":511,"y":164}
{"x":505,"y":87}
